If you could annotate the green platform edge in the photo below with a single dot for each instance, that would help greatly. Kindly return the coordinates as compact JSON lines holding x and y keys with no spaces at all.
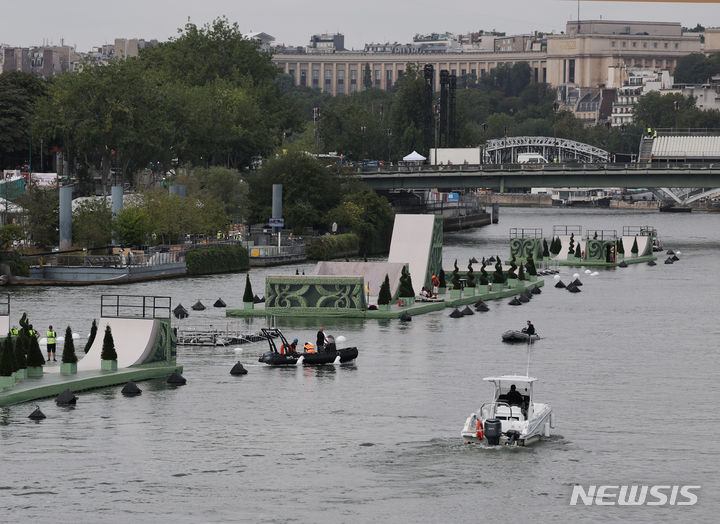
{"x":161,"y":362}
{"x":417,"y":308}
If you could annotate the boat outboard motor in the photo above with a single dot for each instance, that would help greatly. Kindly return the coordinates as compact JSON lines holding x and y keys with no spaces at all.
{"x":513,"y":436}
{"x":493,"y":430}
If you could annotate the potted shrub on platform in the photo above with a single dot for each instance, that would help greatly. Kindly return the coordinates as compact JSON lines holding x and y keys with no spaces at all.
{"x":545,"y":249}
{"x":620,"y":248}
{"x":470,"y":284}
{"x":571,"y":247}
{"x":443,"y":284}
{"x":384,"y":296}
{"x":406,"y":291}
{"x":108,"y":355}
{"x":512,"y":278}
{"x":69,"y":358}
{"x":498,"y":277}
{"x":20,"y":359}
{"x":482,"y":286}
{"x":455,"y":292}
{"x":578,"y":252}
{"x":35,"y":359}
{"x":521,"y":274}
{"x":531,"y":269}
{"x":248,"y":296}
{"x":7,"y":378}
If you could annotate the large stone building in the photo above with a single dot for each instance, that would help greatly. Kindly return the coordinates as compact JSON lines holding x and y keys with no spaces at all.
{"x":580,"y":56}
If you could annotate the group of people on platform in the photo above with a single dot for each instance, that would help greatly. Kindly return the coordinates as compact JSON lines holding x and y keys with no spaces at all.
{"x":51,"y":339}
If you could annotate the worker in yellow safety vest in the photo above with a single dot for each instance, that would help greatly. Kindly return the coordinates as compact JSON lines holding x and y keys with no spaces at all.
{"x":51,"y":336}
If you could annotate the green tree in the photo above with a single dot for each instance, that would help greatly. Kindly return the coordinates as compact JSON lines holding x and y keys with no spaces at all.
{"x":9,"y":234}
{"x":108,"y":348}
{"x":92,"y":223}
{"x":369,"y":216}
{"x":634,"y":248}
{"x":68,"y":354}
{"x":32,"y":348}
{"x":18,"y":93}
{"x":41,"y":207}
{"x":20,"y":354}
{"x":7,"y":359}
{"x":367,"y":77}
{"x":696,"y":68}
{"x":455,"y":279}
{"x":133,"y":225}
{"x":407,"y":111}
{"x":470,"y":275}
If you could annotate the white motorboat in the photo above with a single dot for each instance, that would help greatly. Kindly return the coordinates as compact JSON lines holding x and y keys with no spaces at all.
{"x":511,"y":418}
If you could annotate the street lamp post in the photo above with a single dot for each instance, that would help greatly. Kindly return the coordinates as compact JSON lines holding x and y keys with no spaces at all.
{"x":389,"y":134}
{"x":437,"y":123}
{"x":362,"y":141}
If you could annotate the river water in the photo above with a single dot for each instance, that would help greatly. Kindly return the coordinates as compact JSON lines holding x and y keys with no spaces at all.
{"x":629,"y":365}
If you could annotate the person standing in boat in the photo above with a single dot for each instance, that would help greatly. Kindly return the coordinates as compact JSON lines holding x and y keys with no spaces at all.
{"x":514,"y":398}
{"x":320,"y":341}
{"x":530,"y":329}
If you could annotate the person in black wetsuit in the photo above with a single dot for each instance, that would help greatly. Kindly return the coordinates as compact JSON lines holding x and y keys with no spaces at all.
{"x":530,"y":329}
{"x":320,"y":342}
{"x":514,"y":398}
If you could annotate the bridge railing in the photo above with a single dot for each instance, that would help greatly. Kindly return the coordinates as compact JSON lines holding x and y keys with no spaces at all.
{"x":562,"y":166}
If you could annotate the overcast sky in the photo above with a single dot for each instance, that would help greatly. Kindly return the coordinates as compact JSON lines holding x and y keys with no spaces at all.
{"x":86,"y":23}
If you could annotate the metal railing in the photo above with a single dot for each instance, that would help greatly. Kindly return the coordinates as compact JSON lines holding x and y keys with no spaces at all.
{"x":601,"y":234}
{"x":5,"y":305}
{"x":567,"y":230}
{"x":525,"y":232}
{"x":134,"y":306}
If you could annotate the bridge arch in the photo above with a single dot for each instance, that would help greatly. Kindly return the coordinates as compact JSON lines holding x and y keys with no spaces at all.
{"x":506,"y":150}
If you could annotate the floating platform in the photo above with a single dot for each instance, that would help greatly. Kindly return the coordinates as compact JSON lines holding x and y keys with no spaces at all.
{"x":52,"y":384}
{"x":145,"y":343}
{"x":417,"y":308}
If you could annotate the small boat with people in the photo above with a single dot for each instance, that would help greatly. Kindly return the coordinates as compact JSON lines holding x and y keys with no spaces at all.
{"x":513,"y":335}
{"x":287,"y":354}
{"x":511,"y":417}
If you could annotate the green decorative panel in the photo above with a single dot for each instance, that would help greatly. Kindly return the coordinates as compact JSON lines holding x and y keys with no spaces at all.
{"x":165,"y":347}
{"x":435,"y":256}
{"x":523,"y":247}
{"x":596,"y":250}
{"x":314,"y":292}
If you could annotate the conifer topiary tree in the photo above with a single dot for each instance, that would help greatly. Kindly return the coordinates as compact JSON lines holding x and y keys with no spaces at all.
{"x":571,"y":249}
{"x":248,"y":294}
{"x":513,"y":267}
{"x":545,"y":249}
{"x":20,"y":355}
{"x":455,"y":276}
{"x":91,"y":338}
{"x":441,"y":278}
{"x":108,"y":348}
{"x":521,"y":272}
{"x":530,"y":265}
{"x":384,"y":296}
{"x":470,"y":275}
{"x":634,"y":248}
{"x":6,"y":358}
{"x":32,"y":348}
{"x":406,"y":288}
{"x":498,"y":275}
{"x":578,"y":251}
{"x":620,"y":246}
{"x":483,"y":274}
{"x":68,"y":354}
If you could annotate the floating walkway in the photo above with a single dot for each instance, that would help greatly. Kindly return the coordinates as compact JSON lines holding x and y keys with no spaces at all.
{"x":145,"y":344}
{"x":417,"y":308}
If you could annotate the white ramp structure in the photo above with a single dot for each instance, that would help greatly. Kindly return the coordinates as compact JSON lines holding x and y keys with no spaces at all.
{"x":373,"y":273}
{"x":417,"y":241}
{"x":134,"y":341}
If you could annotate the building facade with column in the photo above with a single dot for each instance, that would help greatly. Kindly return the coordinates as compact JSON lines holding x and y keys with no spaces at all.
{"x":581,"y":56}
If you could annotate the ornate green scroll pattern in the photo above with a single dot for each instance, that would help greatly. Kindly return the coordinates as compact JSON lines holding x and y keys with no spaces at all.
{"x":314,"y":292}
{"x":596,"y":250}
{"x":521,"y":248}
{"x":435,"y":256}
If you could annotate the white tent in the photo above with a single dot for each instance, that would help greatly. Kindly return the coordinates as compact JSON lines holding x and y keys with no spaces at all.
{"x":414,"y":157}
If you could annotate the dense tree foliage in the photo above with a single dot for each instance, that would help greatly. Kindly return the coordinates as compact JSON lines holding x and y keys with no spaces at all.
{"x":696,"y":68}
{"x":92,"y":224}
{"x":18,"y":93}
{"x":673,"y":110}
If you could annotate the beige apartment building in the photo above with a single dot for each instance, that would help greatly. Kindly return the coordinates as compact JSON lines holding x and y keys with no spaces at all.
{"x":580,"y":56}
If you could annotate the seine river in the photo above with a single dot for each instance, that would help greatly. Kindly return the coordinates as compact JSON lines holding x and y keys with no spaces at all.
{"x":630,"y":366}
